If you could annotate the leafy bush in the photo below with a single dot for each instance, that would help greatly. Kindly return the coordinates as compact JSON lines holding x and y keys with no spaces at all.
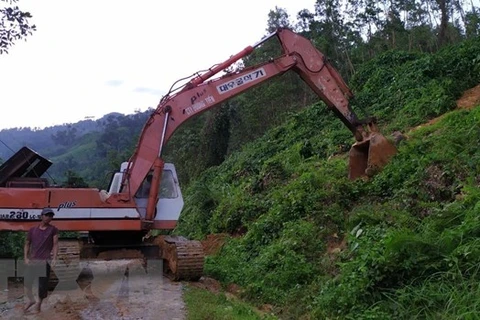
{"x":402,"y":244}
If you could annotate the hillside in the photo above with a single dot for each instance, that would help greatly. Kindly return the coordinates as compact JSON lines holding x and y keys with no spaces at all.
{"x":72,"y":147}
{"x":308,"y":243}
{"x":48,"y":139}
{"x":264,"y":175}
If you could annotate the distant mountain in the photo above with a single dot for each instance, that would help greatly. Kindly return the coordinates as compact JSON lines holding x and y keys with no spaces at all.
{"x":40,"y":139}
{"x":71,"y":145}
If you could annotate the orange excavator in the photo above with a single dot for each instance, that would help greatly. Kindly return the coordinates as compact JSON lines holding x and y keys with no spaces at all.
{"x":145,"y":195}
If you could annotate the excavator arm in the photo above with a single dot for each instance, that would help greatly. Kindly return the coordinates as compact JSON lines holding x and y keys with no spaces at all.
{"x":203,"y":93}
{"x":114,"y":219}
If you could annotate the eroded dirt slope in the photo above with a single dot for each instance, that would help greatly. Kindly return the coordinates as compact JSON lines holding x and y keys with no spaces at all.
{"x":470,"y":98}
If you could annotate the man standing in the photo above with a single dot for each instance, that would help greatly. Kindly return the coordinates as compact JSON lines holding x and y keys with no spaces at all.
{"x":41,"y":245}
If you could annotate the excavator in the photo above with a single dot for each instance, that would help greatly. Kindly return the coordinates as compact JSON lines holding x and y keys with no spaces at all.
{"x":144,"y":195}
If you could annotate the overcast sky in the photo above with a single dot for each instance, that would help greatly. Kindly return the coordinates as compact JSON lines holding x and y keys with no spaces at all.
{"x":89,"y":58}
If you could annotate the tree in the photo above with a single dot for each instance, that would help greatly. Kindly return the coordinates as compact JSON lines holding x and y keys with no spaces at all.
{"x":278,"y":18}
{"x":73,"y":180}
{"x":472,"y":27}
{"x":65,"y":137}
{"x":216,"y":136}
{"x":14,"y":25}
{"x":11,"y":244}
{"x":444,"y":6}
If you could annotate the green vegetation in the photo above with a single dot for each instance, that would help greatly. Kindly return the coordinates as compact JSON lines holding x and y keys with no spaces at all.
{"x":306,"y":239}
{"x":14,"y":25}
{"x":205,"y":305}
{"x":269,"y":168}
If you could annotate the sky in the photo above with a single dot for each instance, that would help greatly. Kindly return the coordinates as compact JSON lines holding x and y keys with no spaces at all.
{"x":92,"y":57}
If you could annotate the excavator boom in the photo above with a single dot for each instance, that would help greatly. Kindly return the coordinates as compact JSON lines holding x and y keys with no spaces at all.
{"x":202,"y":93}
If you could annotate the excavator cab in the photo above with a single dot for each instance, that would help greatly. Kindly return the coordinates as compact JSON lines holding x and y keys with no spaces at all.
{"x":170,"y":201}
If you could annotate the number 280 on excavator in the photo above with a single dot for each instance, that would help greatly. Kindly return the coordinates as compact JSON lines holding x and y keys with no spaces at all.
{"x":145,"y":194}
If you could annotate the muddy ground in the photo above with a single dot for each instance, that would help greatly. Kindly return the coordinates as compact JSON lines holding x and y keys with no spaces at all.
{"x":117,"y":289}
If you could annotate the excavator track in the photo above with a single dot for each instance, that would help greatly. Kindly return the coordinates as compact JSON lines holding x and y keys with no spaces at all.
{"x":183,"y":259}
{"x":68,"y":263}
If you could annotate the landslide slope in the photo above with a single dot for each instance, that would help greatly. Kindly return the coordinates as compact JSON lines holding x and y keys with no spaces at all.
{"x":311,"y":243}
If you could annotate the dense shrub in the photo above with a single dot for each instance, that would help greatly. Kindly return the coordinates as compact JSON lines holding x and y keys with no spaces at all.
{"x":403,"y":244}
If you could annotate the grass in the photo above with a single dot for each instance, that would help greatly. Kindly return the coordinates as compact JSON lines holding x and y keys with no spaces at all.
{"x":205,"y":305}
{"x":410,"y":234}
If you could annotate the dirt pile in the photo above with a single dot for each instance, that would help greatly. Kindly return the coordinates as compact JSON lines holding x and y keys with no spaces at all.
{"x":207,"y":283}
{"x":158,"y":240}
{"x":213,"y":243}
{"x":470,"y":98}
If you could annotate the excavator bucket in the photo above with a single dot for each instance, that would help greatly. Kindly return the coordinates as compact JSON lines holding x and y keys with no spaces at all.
{"x":370,"y":156}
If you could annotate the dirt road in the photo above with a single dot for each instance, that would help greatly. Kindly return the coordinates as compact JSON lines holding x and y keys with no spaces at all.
{"x":120,"y":289}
